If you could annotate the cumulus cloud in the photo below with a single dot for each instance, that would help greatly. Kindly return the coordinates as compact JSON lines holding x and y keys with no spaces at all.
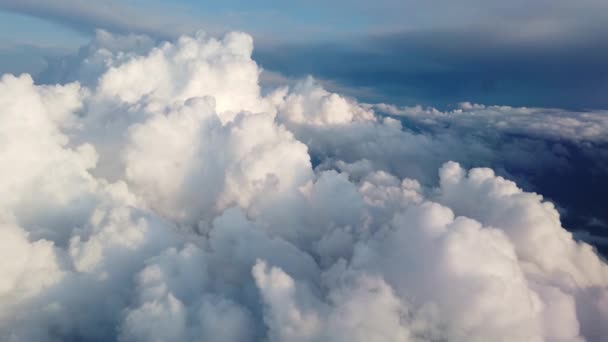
{"x":158,"y":193}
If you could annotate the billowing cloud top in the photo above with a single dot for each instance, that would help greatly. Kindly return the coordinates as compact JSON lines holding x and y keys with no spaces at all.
{"x":165,"y":195}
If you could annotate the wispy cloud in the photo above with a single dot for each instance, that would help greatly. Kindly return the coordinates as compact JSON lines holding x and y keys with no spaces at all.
{"x":86,"y":16}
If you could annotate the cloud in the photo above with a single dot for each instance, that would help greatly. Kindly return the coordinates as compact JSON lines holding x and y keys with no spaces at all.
{"x":520,"y":53}
{"x":110,"y":15}
{"x":553,"y":124}
{"x":159,"y":192}
{"x":482,"y":62}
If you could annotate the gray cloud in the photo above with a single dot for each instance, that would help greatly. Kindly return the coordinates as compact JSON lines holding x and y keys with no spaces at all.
{"x":445,"y":67}
{"x":111,"y":15}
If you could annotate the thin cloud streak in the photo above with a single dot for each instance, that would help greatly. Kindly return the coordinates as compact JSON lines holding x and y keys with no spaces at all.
{"x":86,"y":16}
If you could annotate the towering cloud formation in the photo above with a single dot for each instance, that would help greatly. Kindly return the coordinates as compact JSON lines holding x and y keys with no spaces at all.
{"x":166,"y":197}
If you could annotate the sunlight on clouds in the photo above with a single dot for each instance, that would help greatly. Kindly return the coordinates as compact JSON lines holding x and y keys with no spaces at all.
{"x":166,"y":198}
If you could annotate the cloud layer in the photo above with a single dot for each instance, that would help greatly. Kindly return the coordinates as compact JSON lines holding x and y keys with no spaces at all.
{"x":164,"y":194}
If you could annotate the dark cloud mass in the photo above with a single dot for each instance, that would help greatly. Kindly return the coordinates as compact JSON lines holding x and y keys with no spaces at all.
{"x":173,"y":192}
{"x":445,"y":67}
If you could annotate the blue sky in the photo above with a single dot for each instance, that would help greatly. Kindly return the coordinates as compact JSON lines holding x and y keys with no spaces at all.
{"x":440,"y":52}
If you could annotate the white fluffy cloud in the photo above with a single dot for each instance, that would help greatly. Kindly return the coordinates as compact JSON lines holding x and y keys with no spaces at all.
{"x":548,"y":123}
{"x":167,"y":198}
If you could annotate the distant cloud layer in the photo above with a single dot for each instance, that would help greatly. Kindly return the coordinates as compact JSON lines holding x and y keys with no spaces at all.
{"x":162,"y":192}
